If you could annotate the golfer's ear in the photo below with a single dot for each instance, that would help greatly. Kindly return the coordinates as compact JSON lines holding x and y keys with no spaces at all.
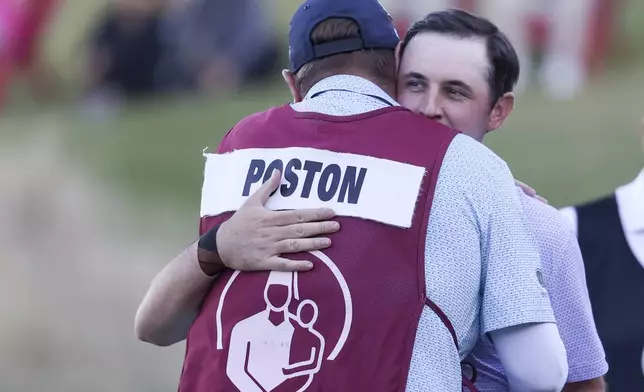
{"x":397,"y":54}
{"x":500,"y":112}
{"x":289,"y":78}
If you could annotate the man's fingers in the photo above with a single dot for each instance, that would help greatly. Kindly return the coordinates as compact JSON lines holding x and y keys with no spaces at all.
{"x":286,"y":265}
{"x":264,"y":192}
{"x":526,"y":189}
{"x":541,"y":199}
{"x":303,"y":230}
{"x":284,"y":218}
{"x":302,"y":245}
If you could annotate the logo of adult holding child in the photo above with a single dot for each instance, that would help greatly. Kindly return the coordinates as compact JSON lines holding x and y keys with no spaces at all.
{"x":289,"y":341}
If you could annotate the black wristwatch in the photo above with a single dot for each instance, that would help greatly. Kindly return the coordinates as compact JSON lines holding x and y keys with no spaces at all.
{"x":208,"y":254}
{"x":208,"y":241}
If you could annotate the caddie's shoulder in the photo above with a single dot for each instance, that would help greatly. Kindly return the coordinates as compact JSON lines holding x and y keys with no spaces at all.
{"x":254,"y":123}
{"x":248,"y":128}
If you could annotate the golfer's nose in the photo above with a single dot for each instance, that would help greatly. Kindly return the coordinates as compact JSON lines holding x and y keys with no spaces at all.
{"x":432,"y":107}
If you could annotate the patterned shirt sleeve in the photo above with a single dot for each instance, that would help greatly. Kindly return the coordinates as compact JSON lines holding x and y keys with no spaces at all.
{"x":511,"y":277}
{"x":566,"y":281}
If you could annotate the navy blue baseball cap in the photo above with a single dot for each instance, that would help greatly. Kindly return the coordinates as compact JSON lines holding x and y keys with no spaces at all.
{"x":376,"y":29}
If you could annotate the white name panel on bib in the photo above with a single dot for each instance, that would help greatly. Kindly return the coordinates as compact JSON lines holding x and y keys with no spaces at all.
{"x":352,"y":185}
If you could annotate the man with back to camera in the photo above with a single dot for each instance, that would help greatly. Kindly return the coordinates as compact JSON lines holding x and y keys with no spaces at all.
{"x":464,"y":208}
{"x":459,"y":69}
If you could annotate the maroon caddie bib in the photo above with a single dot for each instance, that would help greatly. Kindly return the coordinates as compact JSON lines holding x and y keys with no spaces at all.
{"x":350,"y":323}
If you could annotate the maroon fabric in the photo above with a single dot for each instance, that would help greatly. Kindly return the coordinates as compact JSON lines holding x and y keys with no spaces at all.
{"x":384,"y":269}
{"x":468,"y":384}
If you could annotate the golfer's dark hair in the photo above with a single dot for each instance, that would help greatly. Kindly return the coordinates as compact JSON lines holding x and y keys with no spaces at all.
{"x":504,"y":63}
{"x":380,"y":64}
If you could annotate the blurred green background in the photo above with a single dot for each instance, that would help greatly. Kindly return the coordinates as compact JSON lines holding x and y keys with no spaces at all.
{"x":91,"y":211}
{"x":569,"y":151}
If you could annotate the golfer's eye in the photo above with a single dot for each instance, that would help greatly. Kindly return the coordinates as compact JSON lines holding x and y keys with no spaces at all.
{"x":456,"y":94}
{"x":415,"y":85}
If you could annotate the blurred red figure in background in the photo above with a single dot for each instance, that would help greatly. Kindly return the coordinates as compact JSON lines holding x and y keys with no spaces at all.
{"x":574,"y":36}
{"x":22,"y":23}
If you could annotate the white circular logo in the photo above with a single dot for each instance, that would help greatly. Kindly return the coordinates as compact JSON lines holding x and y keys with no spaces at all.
{"x":260,"y":345}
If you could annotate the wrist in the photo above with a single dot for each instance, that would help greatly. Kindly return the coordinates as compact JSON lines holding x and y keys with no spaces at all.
{"x":208,"y":253}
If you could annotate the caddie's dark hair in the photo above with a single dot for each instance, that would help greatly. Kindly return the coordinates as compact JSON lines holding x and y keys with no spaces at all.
{"x":502,"y":58}
{"x":378,"y":63}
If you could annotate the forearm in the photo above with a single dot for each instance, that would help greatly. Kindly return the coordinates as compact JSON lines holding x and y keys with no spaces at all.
{"x":173,"y":300}
{"x":533,"y":356}
{"x":594,"y":385}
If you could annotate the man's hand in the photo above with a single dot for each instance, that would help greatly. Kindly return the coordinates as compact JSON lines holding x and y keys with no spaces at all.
{"x":530,"y":191}
{"x":254,"y":237}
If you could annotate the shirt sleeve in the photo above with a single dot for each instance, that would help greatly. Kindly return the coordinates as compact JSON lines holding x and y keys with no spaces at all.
{"x":478,"y":246}
{"x":570,"y":213}
{"x":571,"y":304}
{"x":512,"y":286}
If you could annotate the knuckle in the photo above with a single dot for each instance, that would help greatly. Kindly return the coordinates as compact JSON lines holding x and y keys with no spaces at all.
{"x":321,"y":214}
{"x":282,"y":266}
{"x":263,"y":220}
{"x":327,"y":213}
{"x":263,"y":234}
{"x":322,"y":242}
{"x":262,"y":253}
{"x":320,"y":228}
{"x":300,"y":231}
{"x":299,"y":216}
{"x":294,"y":245}
{"x":332,"y":226}
{"x":257,"y":264}
{"x":278,"y":248}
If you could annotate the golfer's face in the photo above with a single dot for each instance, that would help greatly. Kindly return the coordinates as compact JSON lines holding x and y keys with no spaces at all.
{"x":445,"y":78}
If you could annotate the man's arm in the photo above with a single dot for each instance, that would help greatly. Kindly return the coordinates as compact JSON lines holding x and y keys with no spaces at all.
{"x":173,"y":300}
{"x":515,"y":309}
{"x":594,"y":385}
{"x":252,"y":239}
{"x":566,"y":281}
{"x":480,"y":207}
{"x":533,"y":356}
